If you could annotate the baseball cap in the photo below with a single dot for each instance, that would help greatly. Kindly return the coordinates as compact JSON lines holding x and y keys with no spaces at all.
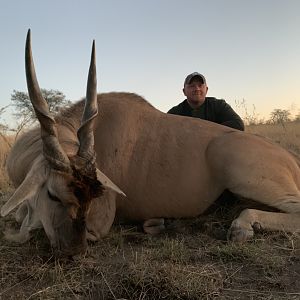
{"x":189,"y":78}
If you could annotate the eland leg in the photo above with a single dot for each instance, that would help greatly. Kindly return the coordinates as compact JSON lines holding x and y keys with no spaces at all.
{"x":29,"y":220}
{"x":101,"y":216}
{"x":243,"y":227}
{"x":21,"y":212}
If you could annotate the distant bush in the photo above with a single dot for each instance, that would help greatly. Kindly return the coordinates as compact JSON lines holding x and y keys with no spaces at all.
{"x":280,"y":116}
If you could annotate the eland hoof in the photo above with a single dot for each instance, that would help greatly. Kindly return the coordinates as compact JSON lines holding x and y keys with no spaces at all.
{"x":154,"y":226}
{"x":239,"y":233}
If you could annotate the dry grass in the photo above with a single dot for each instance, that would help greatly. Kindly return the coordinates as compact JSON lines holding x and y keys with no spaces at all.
{"x":176,"y":265}
{"x":287,"y":135}
{"x":191,"y":260}
{"x":5,"y":145}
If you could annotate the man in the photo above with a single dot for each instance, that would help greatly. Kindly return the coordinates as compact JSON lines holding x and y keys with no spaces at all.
{"x":198,"y":105}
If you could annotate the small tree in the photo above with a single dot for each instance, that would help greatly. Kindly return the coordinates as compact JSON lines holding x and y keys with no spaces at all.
{"x":280,"y":116}
{"x":24,"y":110}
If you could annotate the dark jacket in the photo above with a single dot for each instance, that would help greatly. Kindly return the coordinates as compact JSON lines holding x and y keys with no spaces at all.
{"x":214,"y":110}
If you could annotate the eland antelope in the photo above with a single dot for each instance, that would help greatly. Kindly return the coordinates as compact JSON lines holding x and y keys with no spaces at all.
{"x":73,"y":171}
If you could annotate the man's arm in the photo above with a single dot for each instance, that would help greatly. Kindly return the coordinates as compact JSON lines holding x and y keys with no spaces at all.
{"x":228,"y":117}
{"x":178,"y":110}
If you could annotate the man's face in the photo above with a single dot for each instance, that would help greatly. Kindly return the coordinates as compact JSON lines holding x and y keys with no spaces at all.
{"x":195,"y":92}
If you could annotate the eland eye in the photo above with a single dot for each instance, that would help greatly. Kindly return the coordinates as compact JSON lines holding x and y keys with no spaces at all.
{"x":53,"y":198}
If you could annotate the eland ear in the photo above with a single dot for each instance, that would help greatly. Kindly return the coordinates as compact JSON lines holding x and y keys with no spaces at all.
{"x":107,"y":183}
{"x":26,"y":190}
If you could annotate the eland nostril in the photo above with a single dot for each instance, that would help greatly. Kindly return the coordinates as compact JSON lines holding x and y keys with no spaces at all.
{"x":69,"y":249}
{"x":71,"y":237}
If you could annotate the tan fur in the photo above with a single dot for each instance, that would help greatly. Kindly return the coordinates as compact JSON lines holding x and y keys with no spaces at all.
{"x":173,"y":166}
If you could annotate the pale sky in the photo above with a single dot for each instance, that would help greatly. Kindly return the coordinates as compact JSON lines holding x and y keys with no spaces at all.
{"x":246,"y":49}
